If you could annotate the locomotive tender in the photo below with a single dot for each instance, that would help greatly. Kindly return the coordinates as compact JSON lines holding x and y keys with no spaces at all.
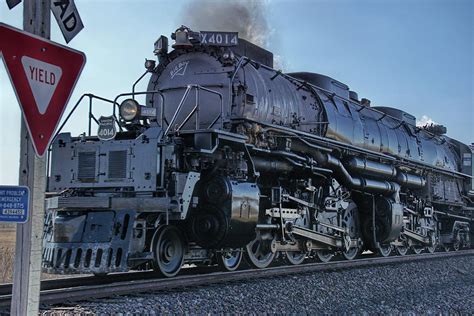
{"x":229,"y":157}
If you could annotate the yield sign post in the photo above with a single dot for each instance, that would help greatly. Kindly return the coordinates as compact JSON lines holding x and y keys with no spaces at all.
{"x":43,"y":74}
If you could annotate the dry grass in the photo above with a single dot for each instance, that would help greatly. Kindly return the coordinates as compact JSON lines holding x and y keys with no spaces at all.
{"x":7,"y":260}
{"x":7,"y":252}
{"x":7,"y":237}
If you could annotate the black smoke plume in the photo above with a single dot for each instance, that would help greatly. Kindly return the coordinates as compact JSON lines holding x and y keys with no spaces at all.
{"x":244,"y":16}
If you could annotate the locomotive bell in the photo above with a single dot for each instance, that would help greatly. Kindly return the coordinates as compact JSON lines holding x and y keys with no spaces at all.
{"x":184,"y":37}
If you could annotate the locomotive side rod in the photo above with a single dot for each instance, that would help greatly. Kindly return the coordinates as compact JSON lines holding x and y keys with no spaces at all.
{"x":316,"y":236}
{"x":420,"y":238}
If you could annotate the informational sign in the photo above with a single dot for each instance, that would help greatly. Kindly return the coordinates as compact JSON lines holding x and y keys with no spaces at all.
{"x":43,"y":74}
{"x":68,"y":18}
{"x":14,"y":204}
{"x":107,"y":130}
{"x":219,"y":38}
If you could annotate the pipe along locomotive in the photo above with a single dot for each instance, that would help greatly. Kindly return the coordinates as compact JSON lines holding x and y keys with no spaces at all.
{"x":230,"y":158}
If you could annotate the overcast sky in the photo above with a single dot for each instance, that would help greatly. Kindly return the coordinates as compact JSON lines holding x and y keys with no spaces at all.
{"x":416,"y":55}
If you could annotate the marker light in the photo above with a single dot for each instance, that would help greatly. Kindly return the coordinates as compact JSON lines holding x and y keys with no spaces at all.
{"x":129,"y":110}
{"x":150,"y":64}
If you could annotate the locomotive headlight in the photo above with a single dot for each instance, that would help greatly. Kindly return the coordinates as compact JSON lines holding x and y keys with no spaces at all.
{"x":129,"y":110}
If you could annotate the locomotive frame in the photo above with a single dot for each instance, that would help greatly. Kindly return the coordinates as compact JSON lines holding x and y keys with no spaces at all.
{"x":252,"y":162}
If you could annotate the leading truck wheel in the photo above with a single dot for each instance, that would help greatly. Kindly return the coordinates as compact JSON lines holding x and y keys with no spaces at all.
{"x":168,"y":251}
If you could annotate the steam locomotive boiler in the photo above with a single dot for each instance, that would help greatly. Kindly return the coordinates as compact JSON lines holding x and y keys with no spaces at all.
{"x":228,"y":157}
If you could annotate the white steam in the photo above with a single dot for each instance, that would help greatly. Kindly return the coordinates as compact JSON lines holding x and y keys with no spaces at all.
{"x":279,"y":62}
{"x":425,"y":120}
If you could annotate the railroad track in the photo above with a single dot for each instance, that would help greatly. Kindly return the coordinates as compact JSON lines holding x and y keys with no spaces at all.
{"x":89,"y":280}
{"x":85,"y":288}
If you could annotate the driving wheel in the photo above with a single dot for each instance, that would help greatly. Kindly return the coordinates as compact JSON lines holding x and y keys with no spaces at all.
{"x":259,"y":253}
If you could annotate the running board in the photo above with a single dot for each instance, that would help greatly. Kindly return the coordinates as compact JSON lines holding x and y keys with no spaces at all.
{"x":417,"y":237}
{"x":319,"y":237}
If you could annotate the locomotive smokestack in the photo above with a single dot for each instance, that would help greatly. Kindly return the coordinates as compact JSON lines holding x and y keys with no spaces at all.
{"x":244,"y":16}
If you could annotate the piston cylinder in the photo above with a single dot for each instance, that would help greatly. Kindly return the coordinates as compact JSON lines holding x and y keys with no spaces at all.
{"x":373,"y":168}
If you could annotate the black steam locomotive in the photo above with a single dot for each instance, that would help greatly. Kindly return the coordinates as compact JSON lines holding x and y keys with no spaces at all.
{"x":229,"y":157}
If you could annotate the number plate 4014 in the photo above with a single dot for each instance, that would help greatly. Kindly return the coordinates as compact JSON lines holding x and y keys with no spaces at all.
{"x":107,"y":130}
{"x":219,"y":38}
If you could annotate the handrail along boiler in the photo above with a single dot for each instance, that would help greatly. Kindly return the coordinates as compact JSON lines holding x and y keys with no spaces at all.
{"x":229,"y":157}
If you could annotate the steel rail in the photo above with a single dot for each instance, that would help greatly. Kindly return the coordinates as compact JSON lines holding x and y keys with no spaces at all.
{"x":86,"y":292}
{"x":86,"y":280}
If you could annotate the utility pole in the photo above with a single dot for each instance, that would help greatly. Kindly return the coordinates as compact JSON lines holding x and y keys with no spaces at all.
{"x":28,"y":253}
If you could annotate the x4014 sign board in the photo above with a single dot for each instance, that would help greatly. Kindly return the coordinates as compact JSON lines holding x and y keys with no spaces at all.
{"x":43,"y":74}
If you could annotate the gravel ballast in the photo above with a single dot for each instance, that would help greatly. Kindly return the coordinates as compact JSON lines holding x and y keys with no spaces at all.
{"x":428,"y":287}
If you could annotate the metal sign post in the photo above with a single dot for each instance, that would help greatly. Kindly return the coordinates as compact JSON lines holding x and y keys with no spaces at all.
{"x":43,"y":74}
{"x":27,"y":271}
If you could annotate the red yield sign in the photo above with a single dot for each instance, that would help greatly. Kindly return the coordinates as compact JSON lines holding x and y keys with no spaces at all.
{"x":43,"y":74}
